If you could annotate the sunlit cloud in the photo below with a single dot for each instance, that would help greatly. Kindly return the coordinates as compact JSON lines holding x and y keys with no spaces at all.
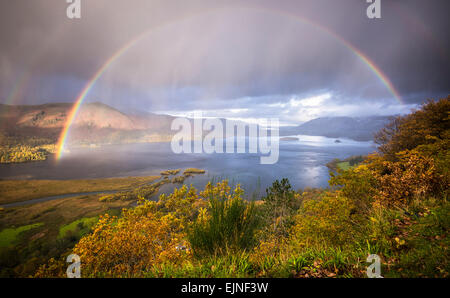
{"x":295,"y":109}
{"x":313,"y":101}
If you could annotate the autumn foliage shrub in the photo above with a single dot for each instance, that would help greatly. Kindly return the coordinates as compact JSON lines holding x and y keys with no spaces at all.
{"x":228,"y":224}
{"x":326,"y":220}
{"x":358,"y":185}
{"x":128,"y":246}
{"x":143,"y":238}
{"x":413,"y":160}
{"x":421,"y":127}
{"x":398,"y":183}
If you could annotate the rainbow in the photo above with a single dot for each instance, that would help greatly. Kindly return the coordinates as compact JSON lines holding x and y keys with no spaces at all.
{"x":79,"y":100}
{"x":17,"y":88}
{"x":85,"y":91}
{"x":23,"y":79}
{"x":16,"y":91}
{"x":366,"y":60}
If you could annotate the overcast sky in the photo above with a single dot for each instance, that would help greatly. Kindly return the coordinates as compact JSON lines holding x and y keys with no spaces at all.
{"x":238,"y":59}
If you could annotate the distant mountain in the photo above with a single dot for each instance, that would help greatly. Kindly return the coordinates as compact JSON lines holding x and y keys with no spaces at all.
{"x":358,"y":128}
{"x":94,"y":123}
{"x":100,"y":123}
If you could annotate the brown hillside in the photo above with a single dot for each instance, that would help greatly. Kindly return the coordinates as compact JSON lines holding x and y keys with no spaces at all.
{"x":94,"y":122}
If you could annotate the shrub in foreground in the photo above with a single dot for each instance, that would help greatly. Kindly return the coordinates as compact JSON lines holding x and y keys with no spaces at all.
{"x":229,"y":223}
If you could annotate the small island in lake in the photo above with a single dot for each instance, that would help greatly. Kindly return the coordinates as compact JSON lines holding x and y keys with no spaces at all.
{"x":194,"y":171}
{"x":170,"y":172}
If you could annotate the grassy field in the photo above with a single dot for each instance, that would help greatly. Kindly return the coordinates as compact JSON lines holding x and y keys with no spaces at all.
{"x":56,"y":213}
{"x":82,"y":225}
{"x":22,"y":190}
{"x":9,"y":236}
{"x":345,"y":165}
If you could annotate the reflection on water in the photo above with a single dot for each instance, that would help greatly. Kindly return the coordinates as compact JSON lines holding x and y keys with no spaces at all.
{"x":302,"y":162}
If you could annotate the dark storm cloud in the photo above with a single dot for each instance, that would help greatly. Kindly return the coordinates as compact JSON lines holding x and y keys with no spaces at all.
{"x":255,"y":57}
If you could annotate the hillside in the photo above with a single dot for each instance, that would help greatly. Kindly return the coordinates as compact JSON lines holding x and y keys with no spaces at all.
{"x":95,"y":122}
{"x":100,"y":123}
{"x":360,"y":129}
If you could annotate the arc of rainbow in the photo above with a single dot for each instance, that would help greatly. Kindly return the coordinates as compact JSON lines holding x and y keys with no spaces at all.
{"x":25,"y":75}
{"x":17,"y":88}
{"x":378,"y":72}
{"x":82,"y":95}
{"x":361,"y":56}
{"x":79,"y":100}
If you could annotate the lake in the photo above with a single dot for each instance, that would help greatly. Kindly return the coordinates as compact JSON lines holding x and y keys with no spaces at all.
{"x":302,"y":161}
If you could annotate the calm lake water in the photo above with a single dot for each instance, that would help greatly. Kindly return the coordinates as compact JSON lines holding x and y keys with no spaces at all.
{"x":302,"y":162}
